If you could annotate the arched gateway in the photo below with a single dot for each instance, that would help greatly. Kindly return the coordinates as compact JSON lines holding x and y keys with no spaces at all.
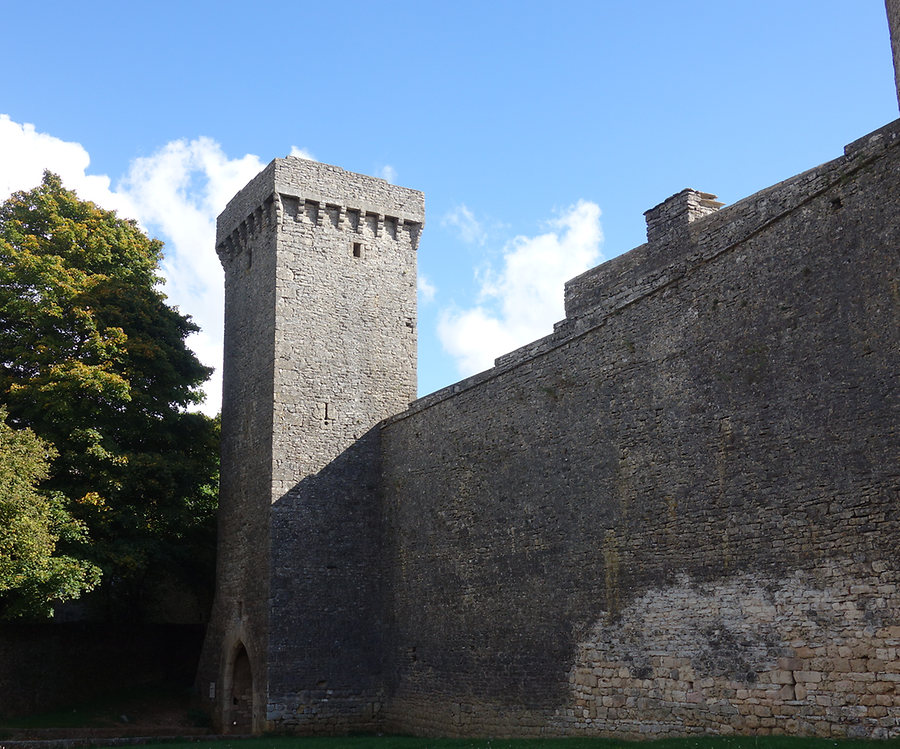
{"x":238,"y":718}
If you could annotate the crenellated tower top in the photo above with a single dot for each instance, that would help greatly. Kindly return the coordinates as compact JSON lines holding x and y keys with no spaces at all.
{"x":322,"y":196}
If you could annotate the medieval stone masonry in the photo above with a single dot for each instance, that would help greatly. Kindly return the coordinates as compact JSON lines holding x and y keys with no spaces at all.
{"x":679,"y":513}
{"x":320,"y":317}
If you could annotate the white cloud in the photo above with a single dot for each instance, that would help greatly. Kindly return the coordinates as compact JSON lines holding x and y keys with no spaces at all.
{"x":388,"y":173}
{"x":302,"y":153}
{"x":521,"y":302}
{"x":176,"y":194}
{"x":426,"y":289}
{"x":463,"y":220}
{"x":26,"y":153}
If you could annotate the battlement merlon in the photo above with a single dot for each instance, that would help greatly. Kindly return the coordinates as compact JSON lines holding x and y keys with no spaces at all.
{"x":323,"y":184}
{"x":676,"y":213}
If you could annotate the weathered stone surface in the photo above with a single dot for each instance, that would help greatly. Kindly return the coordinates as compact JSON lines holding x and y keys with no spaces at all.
{"x":320,"y":320}
{"x":711,"y":433}
{"x":676,"y":514}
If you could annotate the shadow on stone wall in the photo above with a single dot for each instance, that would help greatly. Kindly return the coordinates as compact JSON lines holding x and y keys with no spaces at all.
{"x":327,"y":646}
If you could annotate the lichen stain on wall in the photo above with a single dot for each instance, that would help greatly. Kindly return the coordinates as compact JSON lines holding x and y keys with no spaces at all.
{"x":815,"y":653}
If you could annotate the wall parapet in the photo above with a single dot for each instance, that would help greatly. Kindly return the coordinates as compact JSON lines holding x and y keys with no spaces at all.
{"x":279,"y":207}
{"x":323,"y":184}
{"x":632,"y":275}
{"x":593,"y":296}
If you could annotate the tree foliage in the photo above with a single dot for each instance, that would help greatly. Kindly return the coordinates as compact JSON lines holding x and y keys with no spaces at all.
{"x":94,"y":361}
{"x":33,"y":575}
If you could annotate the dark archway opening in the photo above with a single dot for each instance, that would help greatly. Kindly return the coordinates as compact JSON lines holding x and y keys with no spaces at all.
{"x":241,"y":694}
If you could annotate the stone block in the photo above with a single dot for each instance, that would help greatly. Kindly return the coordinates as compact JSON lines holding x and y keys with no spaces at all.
{"x":780,"y":677}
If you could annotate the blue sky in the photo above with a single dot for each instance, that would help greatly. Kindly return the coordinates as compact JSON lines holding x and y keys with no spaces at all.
{"x":539,"y":134}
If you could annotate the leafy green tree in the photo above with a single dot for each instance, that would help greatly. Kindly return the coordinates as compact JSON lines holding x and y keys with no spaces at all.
{"x":94,"y":361}
{"x":33,"y":575}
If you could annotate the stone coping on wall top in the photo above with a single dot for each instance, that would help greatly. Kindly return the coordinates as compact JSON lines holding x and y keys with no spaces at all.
{"x":883,"y":137}
{"x":710,"y":237}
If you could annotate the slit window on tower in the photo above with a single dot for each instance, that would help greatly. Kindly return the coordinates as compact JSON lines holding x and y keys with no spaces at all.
{"x":357,"y":249}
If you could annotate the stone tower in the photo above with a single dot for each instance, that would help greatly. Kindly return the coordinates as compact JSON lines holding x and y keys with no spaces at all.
{"x":893,"y":13}
{"x":320,"y":346}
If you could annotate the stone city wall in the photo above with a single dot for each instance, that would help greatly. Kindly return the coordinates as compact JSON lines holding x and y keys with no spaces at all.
{"x":679,"y":512}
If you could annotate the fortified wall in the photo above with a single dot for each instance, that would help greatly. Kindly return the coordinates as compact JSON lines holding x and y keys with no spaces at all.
{"x":678,"y":513}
